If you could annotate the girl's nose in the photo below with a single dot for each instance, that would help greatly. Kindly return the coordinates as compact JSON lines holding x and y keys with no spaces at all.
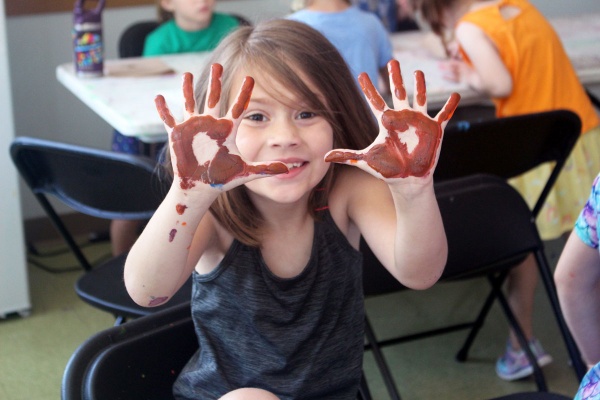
{"x":284,"y":134}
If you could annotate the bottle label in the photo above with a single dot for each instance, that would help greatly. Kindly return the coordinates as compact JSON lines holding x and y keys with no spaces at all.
{"x":88,"y":51}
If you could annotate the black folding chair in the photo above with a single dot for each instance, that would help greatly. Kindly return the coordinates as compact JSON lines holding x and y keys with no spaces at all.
{"x":140,"y":360}
{"x":505,"y":148}
{"x":102,"y":184}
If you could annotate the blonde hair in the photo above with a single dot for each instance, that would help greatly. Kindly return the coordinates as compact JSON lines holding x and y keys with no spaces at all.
{"x":289,"y":52}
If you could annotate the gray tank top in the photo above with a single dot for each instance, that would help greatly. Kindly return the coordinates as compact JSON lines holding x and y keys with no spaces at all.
{"x":300,"y":338}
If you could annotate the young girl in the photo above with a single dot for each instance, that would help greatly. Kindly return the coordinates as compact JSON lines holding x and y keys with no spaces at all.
{"x":186,"y":26}
{"x":507,"y":49}
{"x":269,"y":228}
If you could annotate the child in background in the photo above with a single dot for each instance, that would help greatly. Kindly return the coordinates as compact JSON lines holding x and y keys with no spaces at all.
{"x":508,"y":50}
{"x":384,"y":9}
{"x":577,"y":277}
{"x":358,"y":35}
{"x":269,"y":227}
{"x":186,"y":26}
{"x":391,"y":12}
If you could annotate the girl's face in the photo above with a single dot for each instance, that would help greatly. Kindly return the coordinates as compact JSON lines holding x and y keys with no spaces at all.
{"x":190,"y":15}
{"x":286,"y":131}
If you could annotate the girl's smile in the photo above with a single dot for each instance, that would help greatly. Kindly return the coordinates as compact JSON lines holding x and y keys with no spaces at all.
{"x":278,"y":126}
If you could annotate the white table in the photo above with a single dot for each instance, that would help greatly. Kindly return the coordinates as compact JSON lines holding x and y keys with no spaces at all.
{"x":127,"y":103}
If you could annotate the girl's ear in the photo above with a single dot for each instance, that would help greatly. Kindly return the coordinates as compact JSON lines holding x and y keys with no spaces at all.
{"x":167,"y":5}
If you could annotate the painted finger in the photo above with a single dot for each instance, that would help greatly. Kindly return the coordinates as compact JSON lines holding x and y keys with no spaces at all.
{"x":448,"y":110}
{"x":164,"y":112}
{"x":343,"y":156}
{"x":189,"y":106}
{"x":274,"y":168}
{"x":397,"y":84}
{"x":248,"y":173}
{"x":420,"y":96}
{"x":375,"y":100}
{"x":243,"y":98}
{"x":213,"y":98}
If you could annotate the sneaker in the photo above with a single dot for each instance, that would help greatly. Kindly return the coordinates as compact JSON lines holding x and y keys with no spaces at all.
{"x":515,"y":365}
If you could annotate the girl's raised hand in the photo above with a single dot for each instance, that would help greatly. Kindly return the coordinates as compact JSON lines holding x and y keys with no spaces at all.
{"x":202,"y":147}
{"x":408,"y":143}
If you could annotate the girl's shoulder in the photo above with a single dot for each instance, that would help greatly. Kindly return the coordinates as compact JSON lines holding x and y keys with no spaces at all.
{"x":352,"y":183}
{"x":355,"y":189}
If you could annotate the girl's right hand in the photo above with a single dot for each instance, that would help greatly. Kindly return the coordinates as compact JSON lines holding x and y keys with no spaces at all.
{"x":202,"y":147}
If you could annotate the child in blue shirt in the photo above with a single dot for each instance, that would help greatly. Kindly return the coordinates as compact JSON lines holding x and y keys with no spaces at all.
{"x":358,"y":35}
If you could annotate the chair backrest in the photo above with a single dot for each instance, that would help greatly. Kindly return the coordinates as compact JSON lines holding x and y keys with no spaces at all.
{"x":508,"y":147}
{"x":488,"y":227}
{"x":503,"y":147}
{"x":138,"y":360}
{"x":131,"y":41}
{"x":99,"y":183}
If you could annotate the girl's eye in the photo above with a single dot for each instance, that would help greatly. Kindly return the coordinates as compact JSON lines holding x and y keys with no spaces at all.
{"x":306,"y":114}
{"x":255,"y":117}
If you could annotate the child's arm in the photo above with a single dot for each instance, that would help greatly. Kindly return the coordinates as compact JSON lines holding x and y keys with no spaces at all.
{"x":577,"y":279}
{"x":488,"y":73}
{"x":409,"y":238}
{"x":206,"y":162}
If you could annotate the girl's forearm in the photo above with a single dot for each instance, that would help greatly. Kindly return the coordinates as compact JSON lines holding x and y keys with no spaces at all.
{"x":159,"y":263}
{"x":421,"y":247}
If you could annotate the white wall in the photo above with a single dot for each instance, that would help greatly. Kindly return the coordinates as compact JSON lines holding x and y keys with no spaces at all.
{"x":14,"y":289}
{"x":37,"y":44}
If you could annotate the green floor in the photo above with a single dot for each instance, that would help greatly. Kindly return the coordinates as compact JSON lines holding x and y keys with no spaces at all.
{"x":34,"y":350}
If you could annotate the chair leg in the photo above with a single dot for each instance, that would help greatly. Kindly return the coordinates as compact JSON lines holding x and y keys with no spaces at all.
{"x":58,"y":224}
{"x":381,"y":363}
{"x":537,"y":371}
{"x":548,"y":280}
{"x":363,"y":390}
{"x":462,"y":354}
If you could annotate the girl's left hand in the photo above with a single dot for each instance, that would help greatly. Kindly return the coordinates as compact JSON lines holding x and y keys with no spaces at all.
{"x":409,"y":141}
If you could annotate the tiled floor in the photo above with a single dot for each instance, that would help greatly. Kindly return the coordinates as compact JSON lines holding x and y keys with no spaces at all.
{"x":34,"y":350}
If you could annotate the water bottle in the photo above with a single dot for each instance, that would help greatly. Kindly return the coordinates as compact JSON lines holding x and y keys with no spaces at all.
{"x":88,"y":49}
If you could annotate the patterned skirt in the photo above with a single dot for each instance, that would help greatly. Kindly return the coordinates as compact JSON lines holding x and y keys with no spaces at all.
{"x":571,"y":190}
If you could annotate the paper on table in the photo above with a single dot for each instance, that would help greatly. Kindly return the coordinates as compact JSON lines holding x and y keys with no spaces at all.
{"x":133,"y":67}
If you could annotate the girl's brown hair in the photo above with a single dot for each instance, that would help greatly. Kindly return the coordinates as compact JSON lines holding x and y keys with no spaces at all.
{"x":289,"y":52}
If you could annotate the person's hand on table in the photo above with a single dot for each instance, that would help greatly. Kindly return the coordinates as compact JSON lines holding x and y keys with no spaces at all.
{"x":202,"y":147}
{"x":409,"y":141}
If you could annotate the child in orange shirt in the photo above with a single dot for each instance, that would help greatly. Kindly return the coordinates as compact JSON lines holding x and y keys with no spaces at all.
{"x":508,"y":50}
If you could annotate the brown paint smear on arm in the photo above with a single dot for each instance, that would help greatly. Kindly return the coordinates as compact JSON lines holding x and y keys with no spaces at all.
{"x":180,"y":208}
{"x":155,"y":301}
